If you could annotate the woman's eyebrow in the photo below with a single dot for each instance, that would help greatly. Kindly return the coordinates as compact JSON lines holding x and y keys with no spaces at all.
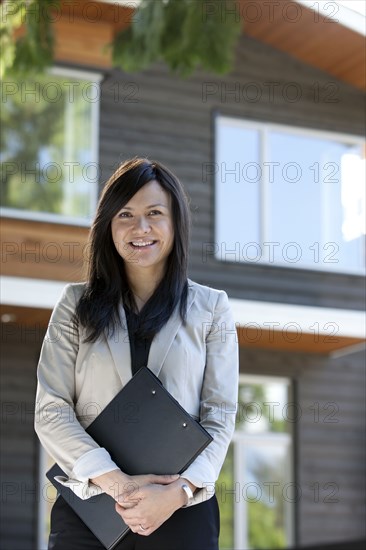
{"x":150,"y":206}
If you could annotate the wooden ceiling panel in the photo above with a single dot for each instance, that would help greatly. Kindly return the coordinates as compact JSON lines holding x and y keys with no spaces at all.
{"x":44,"y":250}
{"x":295,"y":343}
{"x":314,"y":39}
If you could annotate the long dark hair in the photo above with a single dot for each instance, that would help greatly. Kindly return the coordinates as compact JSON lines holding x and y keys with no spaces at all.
{"x":107,"y":283}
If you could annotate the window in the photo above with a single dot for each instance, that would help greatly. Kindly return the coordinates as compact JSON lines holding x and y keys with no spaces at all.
{"x":49,"y":139}
{"x":289,"y":196}
{"x":255,"y":490}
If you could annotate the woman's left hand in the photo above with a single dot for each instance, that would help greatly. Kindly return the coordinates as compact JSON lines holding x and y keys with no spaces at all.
{"x":156,"y":503}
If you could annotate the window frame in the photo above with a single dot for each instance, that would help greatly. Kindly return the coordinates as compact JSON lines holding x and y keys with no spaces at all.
{"x":241,"y":439}
{"x":48,"y":217}
{"x":264,"y":128}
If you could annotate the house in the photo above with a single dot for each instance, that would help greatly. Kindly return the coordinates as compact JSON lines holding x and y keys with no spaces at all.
{"x":272,"y":156}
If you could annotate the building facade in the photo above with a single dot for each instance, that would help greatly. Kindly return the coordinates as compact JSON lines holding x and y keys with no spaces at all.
{"x":266,"y":227}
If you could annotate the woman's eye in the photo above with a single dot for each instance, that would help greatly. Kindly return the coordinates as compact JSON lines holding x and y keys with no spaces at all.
{"x":155,"y":212}
{"x":124,"y":215}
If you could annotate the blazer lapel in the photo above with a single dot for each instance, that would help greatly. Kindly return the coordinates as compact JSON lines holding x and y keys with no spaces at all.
{"x":163,"y":340}
{"x":119,"y":344}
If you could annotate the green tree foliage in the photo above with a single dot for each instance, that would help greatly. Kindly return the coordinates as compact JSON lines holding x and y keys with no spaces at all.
{"x":27,"y":129}
{"x":264,"y":532}
{"x":33,"y":50}
{"x":185,"y":34}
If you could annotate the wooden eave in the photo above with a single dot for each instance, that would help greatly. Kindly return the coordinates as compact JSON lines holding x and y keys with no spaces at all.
{"x":316,"y":40}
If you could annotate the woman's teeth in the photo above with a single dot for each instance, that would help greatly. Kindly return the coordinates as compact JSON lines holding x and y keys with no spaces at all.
{"x":142,"y":245}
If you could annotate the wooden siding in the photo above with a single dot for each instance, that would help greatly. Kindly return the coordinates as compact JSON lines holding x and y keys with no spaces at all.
{"x":43,"y":250}
{"x":160,"y":116}
{"x":19,"y":444}
{"x":329,"y":437}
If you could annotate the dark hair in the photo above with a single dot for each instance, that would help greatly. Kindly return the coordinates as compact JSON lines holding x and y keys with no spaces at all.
{"x":107,"y":283}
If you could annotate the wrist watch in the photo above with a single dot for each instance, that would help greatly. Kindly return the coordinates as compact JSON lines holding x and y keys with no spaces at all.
{"x":188,"y":491}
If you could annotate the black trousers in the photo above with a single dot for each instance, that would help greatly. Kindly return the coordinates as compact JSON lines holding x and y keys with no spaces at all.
{"x":193,"y":528}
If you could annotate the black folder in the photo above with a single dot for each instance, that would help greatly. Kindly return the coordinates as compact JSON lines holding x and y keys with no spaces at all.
{"x":146,"y":431}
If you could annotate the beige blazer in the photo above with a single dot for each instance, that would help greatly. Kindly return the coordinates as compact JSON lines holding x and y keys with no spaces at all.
{"x":197,"y":363}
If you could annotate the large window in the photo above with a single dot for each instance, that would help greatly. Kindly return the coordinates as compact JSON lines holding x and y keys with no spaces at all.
{"x":49,"y":146}
{"x":288,"y":196}
{"x":255,"y":490}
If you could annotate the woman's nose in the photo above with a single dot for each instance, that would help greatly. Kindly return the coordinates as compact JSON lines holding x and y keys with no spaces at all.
{"x":142,"y":224}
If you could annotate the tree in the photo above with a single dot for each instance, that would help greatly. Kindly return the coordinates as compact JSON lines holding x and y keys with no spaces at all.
{"x":185,"y":34}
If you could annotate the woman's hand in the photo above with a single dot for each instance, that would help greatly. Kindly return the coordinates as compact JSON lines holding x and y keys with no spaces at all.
{"x":155,"y":504}
{"x":124,"y":488}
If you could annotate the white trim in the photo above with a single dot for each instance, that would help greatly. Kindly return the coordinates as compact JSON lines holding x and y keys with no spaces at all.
{"x":348,"y":323}
{"x":44,"y":217}
{"x":263,"y":379}
{"x":344,"y":15}
{"x":76,"y":73}
{"x":241,"y":121}
{"x":41,"y":293}
{"x":24,"y":292}
{"x":356,"y":348}
{"x":127,"y":3}
{"x":240,"y":507}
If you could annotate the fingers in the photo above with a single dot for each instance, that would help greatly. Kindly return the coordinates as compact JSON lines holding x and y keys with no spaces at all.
{"x":136,"y":524}
{"x":126,"y":504}
{"x":164,"y":479}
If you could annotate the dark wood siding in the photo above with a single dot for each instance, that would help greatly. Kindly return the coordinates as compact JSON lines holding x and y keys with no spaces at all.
{"x":160,"y":116}
{"x":19,"y":444}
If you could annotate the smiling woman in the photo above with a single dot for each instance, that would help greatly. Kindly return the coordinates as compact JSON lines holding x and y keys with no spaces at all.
{"x":143,"y":235}
{"x":139,"y":308}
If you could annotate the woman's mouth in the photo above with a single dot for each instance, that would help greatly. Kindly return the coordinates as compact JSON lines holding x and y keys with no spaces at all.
{"x":142,"y":245}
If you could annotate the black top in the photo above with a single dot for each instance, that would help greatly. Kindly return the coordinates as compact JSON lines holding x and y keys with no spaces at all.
{"x":139,"y":347}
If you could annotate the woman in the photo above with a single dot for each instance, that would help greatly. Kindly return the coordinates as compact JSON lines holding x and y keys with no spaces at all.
{"x":138,"y":308}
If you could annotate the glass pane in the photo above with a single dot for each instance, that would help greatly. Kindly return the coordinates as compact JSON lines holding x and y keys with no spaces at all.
{"x":265,"y":474}
{"x":47,"y":159}
{"x":265,"y":408}
{"x":316,"y":192}
{"x":225,"y":498}
{"x":237,"y":192}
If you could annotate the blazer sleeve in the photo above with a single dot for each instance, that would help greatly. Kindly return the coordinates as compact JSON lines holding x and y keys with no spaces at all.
{"x":219,"y":396}
{"x":56,"y":424}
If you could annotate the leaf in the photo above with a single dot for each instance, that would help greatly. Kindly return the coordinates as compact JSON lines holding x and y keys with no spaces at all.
{"x":186,"y":34}
{"x":139,"y":45}
{"x":33,"y":51}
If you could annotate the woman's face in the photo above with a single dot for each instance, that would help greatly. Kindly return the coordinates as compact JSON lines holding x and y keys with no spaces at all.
{"x":143,"y":231}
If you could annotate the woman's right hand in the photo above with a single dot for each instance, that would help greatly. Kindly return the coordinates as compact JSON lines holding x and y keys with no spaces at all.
{"x":121,"y":486}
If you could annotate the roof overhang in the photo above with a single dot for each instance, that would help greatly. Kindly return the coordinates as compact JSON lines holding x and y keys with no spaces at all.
{"x":299,"y":328}
{"x":269,"y":325}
